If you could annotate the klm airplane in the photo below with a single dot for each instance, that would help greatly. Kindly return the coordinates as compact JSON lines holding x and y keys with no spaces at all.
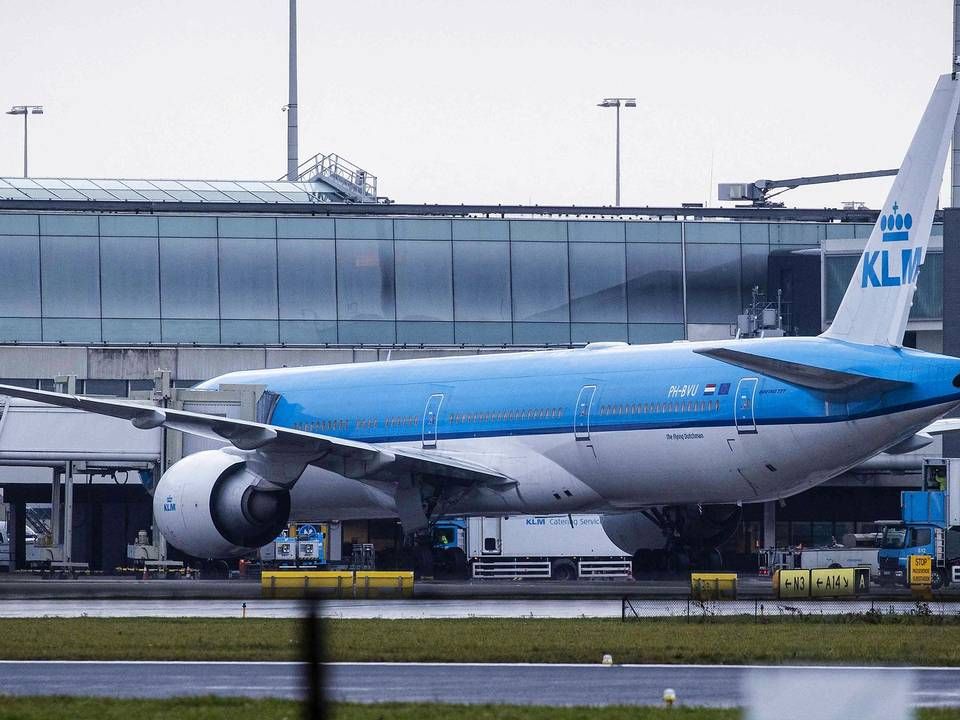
{"x":673,"y":437}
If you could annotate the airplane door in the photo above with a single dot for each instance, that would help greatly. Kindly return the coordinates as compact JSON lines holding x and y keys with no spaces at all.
{"x":431,"y":418}
{"x":581,"y":420}
{"x":490,"y":532}
{"x":744,"y":416}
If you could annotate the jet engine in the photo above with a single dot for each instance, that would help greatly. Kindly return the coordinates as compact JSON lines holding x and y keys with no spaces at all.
{"x":675,"y":537}
{"x":207,"y":505}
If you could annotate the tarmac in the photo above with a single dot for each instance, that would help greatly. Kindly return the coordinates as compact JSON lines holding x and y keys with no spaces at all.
{"x":472,"y":683}
{"x":28,"y":586}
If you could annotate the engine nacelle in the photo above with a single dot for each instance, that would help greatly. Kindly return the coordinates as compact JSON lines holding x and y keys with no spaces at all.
{"x":689,"y":526}
{"x":207,"y":506}
{"x":632,"y":532}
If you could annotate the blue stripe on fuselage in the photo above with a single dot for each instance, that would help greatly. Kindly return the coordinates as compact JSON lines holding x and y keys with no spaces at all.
{"x":536,"y":392}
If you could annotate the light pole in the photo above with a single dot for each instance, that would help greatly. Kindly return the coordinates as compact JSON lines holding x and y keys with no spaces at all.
{"x":293,"y":161}
{"x":616,"y":103}
{"x":25,"y":110}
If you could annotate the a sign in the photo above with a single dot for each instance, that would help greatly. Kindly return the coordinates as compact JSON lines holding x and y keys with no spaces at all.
{"x":955,"y":577}
{"x":919,"y":569}
{"x":862,"y":576}
{"x":833,"y":582}
{"x":793,"y":583}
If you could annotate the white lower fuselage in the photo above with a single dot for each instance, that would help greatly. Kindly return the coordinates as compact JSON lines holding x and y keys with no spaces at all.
{"x":630,"y":469}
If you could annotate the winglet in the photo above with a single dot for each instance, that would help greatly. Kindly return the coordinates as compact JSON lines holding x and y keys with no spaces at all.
{"x":876,"y":305}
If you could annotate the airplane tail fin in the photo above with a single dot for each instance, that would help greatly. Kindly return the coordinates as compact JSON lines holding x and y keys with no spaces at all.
{"x":875,"y":308}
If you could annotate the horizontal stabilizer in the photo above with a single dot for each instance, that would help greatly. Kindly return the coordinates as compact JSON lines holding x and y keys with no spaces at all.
{"x":808,"y":376}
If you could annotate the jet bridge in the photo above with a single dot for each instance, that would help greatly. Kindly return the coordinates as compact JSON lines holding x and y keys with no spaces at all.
{"x":72,"y":446}
{"x":105,"y":457}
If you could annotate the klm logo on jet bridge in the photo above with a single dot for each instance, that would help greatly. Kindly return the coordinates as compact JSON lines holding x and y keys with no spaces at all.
{"x":878,"y":269}
{"x":169,"y":505}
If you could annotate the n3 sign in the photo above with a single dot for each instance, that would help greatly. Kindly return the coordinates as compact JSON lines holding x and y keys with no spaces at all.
{"x":792,"y":583}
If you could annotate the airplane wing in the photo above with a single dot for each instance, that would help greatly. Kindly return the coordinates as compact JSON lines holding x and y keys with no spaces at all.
{"x":357,"y":460}
{"x":808,"y":376}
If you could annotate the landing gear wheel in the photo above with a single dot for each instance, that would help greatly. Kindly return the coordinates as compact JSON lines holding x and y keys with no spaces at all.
{"x":563,"y":571}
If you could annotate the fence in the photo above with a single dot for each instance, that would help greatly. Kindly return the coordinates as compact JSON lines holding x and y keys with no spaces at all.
{"x":937,"y":610}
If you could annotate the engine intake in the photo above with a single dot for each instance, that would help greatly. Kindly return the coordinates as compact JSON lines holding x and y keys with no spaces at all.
{"x":207,"y":506}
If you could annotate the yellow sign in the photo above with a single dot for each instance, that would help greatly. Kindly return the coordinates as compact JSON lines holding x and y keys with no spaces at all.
{"x":793,"y":583}
{"x":833,"y":582}
{"x":919,"y":569}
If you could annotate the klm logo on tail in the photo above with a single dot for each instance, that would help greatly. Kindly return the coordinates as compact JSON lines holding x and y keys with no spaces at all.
{"x":878,"y":268}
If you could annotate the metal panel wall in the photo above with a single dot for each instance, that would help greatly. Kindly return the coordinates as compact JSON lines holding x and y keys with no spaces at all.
{"x":951,"y":304}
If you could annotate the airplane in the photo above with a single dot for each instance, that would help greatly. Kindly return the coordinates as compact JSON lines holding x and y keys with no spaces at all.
{"x":675,"y":437}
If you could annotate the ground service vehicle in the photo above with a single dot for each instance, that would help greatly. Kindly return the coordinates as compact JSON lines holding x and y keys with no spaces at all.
{"x":835,"y":556}
{"x":559,"y":547}
{"x":930,"y":526}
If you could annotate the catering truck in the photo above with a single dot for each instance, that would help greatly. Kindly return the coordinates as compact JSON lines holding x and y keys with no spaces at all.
{"x":930,"y":525}
{"x":558,"y":547}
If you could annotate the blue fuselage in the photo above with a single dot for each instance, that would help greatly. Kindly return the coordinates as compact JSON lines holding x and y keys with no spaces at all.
{"x":662,"y":387}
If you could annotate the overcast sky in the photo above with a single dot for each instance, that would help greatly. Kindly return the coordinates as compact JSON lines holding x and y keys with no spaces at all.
{"x":481,"y":102}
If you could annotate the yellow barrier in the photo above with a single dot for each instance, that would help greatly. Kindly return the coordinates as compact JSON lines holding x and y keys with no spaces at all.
{"x":713,"y":586}
{"x":372,"y":583}
{"x":300,"y":583}
{"x":336,"y":583}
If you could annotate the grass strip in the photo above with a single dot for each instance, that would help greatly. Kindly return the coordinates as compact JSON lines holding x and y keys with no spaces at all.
{"x":484,"y":640}
{"x":212,"y":708}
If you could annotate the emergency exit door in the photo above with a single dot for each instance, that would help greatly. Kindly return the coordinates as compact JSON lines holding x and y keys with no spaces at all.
{"x":431,"y":419}
{"x":744,"y":415}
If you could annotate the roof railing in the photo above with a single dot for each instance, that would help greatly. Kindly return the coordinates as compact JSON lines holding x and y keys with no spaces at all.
{"x":354,"y":182}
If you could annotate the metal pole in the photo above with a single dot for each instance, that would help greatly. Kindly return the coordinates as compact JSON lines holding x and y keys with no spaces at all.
{"x":955,"y":164}
{"x":618,"y":153}
{"x":68,"y":513}
{"x":25,"y":143}
{"x":56,"y":528}
{"x":292,"y":151}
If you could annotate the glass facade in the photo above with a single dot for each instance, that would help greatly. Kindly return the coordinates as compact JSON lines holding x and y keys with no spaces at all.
{"x":258,"y":280}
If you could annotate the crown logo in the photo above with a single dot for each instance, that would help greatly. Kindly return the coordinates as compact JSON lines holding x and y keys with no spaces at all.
{"x":895,"y":226}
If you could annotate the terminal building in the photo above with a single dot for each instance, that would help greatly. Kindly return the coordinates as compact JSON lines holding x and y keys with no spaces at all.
{"x":105,"y":282}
